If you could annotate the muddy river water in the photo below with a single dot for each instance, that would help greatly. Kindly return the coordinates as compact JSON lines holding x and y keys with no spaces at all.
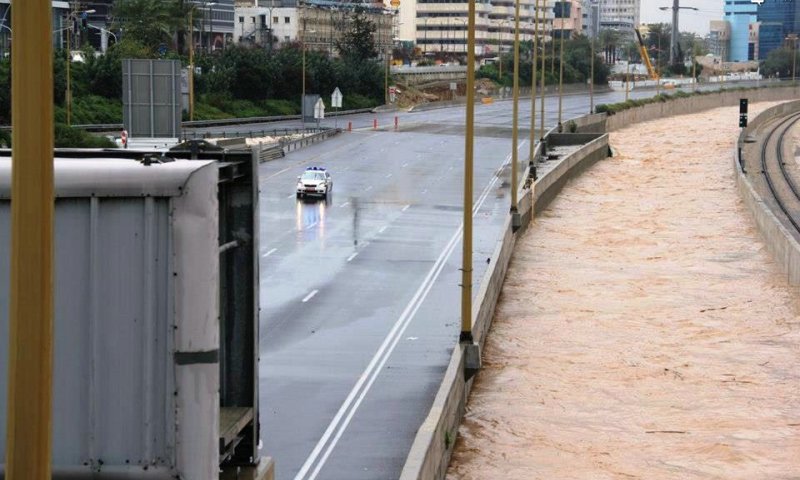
{"x":644,"y":330}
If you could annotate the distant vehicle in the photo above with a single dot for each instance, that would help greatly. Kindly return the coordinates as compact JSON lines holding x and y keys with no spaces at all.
{"x":314,"y":181}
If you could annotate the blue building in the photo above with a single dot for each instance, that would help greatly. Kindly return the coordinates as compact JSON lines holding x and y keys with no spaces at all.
{"x":740,"y":14}
{"x":777,"y":19}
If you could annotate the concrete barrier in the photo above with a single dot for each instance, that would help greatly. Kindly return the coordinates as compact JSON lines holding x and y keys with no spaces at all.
{"x":780,"y":242}
{"x":697,"y":103}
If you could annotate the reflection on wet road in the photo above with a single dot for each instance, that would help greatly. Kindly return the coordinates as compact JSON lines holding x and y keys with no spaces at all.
{"x":643,"y":330}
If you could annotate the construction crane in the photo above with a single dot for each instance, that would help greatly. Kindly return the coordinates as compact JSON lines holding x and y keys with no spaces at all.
{"x":645,"y":56}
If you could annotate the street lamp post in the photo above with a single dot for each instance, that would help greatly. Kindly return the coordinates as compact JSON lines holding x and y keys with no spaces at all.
{"x":560,"y":73}
{"x":591,"y":76}
{"x":544,"y":66}
{"x":534,"y":58}
{"x":515,"y":113}
{"x":191,"y":64}
{"x":68,"y":96}
{"x":303,"y":94}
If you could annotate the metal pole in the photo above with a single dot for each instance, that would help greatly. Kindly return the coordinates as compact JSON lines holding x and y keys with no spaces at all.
{"x":794,"y":61}
{"x":627,"y":76}
{"x":560,"y":73}
{"x":30,"y":366}
{"x":500,"y":52}
{"x":191,"y":65}
{"x":466,"y":256}
{"x":544,"y":67}
{"x":303,"y":91}
{"x":68,"y":99}
{"x":673,"y":47}
{"x":591,"y":76}
{"x":534,"y":58}
{"x":515,"y":112}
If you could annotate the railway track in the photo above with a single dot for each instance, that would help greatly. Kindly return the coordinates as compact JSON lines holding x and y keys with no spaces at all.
{"x":782,"y":181}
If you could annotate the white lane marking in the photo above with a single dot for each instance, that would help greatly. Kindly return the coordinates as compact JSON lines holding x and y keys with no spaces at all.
{"x":405,"y":208}
{"x":292,"y":195}
{"x":382,"y":229}
{"x":311,"y":226}
{"x":344,"y":204}
{"x":310,"y":295}
{"x":389,"y":176}
{"x":424,"y":191}
{"x":380,"y":358}
{"x":269,"y":253}
{"x":352,"y":256}
{"x":369,"y":188}
{"x":405,"y":164}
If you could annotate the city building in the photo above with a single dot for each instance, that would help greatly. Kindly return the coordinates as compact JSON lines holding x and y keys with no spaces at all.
{"x":319,"y":24}
{"x":777,"y":19}
{"x":216,"y":24}
{"x":60,"y":12}
{"x":591,"y":18}
{"x":740,"y":15}
{"x":719,"y":38}
{"x":567,"y":19}
{"x":622,"y":15}
{"x":440,"y":26}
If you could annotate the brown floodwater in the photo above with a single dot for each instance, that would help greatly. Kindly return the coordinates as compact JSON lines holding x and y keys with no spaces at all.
{"x":644,"y":331}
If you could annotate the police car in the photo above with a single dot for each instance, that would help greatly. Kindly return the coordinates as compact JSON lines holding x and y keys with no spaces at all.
{"x":314,"y":181}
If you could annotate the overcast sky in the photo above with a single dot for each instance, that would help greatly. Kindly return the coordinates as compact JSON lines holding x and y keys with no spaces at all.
{"x":690,"y":20}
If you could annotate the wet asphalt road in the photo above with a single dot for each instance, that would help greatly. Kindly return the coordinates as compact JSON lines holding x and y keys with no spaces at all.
{"x":360,"y":292}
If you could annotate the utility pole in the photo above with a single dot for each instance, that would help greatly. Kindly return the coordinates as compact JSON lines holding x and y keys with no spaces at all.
{"x":673,"y":47}
{"x":29,"y":404}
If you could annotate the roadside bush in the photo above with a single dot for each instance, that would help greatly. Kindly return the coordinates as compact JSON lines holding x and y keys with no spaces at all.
{"x":91,"y":109}
{"x":69,"y":137}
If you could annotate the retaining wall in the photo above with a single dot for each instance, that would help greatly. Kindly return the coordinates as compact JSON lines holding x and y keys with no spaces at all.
{"x":697,"y":103}
{"x":780,"y":242}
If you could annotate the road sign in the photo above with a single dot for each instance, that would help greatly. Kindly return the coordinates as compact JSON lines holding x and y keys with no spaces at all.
{"x":392,"y":93}
{"x":319,"y":109}
{"x":742,"y":112}
{"x":395,"y":3}
{"x":336,"y":98}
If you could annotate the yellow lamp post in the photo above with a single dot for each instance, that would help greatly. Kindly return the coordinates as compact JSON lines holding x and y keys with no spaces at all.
{"x":30,"y":332}
{"x":515,"y":113}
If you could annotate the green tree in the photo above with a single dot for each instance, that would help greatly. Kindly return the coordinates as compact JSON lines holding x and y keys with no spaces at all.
{"x":779,"y":63}
{"x":149,"y":22}
{"x":358,"y":40}
{"x":657,"y":43}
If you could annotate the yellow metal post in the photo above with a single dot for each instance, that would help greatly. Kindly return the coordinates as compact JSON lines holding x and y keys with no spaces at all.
{"x":466,"y":254}
{"x":515,"y":114}
{"x":68,"y":96}
{"x":591,"y":76}
{"x":534,"y":58}
{"x":560,"y":73}
{"x":627,"y":76}
{"x":544,"y":67}
{"x":30,"y":367}
{"x":191,"y":64}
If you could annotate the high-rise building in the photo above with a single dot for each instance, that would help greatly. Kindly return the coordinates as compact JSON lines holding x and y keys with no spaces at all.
{"x":567,"y":19}
{"x":740,"y":14}
{"x":718,"y":39}
{"x":620,"y":15}
{"x":591,"y":18}
{"x":777,"y":20}
{"x":441,"y":26}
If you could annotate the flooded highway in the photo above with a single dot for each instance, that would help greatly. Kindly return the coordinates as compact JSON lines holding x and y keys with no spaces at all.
{"x":643,"y":331}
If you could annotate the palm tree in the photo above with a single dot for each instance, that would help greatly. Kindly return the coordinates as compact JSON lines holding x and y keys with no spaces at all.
{"x":609,"y":39}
